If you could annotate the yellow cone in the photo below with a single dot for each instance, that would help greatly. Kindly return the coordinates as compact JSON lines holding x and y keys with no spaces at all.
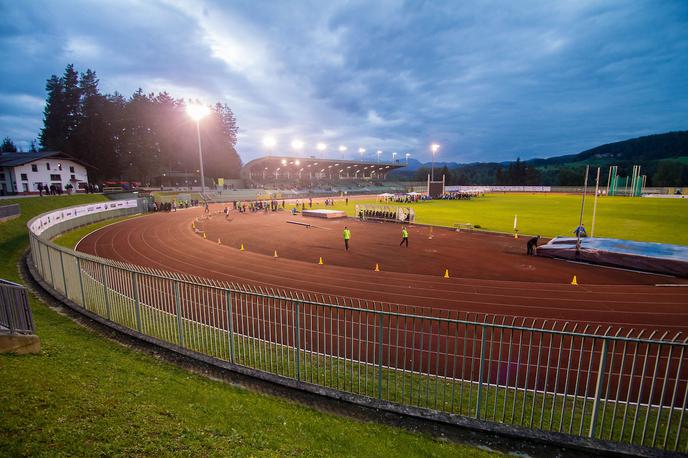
{"x":242,"y":247}
{"x":219,"y":242}
{"x":515,"y":235}
{"x":193,"y":225}
{"x":446,"y":273}
{"x":574,"y":281}
{"x":275,"y":255}
{"x":377,"y":267}
{"x":204,"y":236}
{"x":320,"y":261}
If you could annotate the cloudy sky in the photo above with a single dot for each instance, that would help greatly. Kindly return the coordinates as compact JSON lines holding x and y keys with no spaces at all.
{"x":486,"y":80}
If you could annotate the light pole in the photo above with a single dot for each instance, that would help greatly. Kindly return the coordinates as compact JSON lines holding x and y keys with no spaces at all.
{"x":197,"y":112}
{"x":408,"y":155}
{"x":394,"y":155}
{"x":379,"y":152}
{"x":361,"y":151}
{"x":434,"y":147}
{"x":342,"y":150}
{"x":321,"y":147}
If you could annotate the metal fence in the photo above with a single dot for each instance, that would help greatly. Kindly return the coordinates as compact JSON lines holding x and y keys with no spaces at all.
{"x":15,"y":313}
{"x":608,"y":384}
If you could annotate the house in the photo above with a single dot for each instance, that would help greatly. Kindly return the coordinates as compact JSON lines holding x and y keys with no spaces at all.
{"x":21,"y":173}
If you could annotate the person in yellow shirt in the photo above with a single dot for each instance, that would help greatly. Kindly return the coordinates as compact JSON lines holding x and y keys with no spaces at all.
{"x":347,"y":236}
{"x":404,"y":236}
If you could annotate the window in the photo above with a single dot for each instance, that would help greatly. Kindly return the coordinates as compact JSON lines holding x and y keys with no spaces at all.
{"x":34,"y":168}
{"x":71,"y":169}
{"x":47,"y":165}
{"x":24,"y":177}
{"x":73,"y":177}
{"x":55,"y":177}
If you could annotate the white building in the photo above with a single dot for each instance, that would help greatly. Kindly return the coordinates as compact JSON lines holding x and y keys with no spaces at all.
{"x":21,"y":173}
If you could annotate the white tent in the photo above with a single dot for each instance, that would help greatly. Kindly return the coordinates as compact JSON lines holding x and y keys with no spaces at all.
{"x":414,"y":193}
{"x":385,"y":194}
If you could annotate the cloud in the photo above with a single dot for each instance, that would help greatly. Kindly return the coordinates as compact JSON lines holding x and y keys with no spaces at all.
{"x":487,"y":80}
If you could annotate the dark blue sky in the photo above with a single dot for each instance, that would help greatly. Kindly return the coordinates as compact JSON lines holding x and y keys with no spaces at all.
{"x":486,"y":80}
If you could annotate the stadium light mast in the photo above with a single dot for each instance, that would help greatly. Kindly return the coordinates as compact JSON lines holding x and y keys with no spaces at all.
{"x":407,"y":157}
{"x":321,"y":147}
{"x":379,"y":152}
{"x":394,"y":155}
{"x":434,"y":148}
{"x":197,"y":112}
{"x":269,"y":143}
{"x":342,"y":149}
{"x":297,"y":145}
{"x":361,"y":151}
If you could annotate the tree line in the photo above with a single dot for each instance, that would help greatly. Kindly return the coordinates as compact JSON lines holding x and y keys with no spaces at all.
{"x":133,"y":138}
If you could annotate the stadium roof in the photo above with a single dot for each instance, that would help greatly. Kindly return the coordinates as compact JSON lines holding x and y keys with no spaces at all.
{"x":295,"y":164}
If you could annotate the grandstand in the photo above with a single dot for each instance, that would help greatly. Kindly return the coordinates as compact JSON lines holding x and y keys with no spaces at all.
{"x":294,"y":176}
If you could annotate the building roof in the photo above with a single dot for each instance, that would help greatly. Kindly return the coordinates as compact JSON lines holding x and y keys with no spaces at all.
{"x":17,"y":159}
{"x":272,"y":163}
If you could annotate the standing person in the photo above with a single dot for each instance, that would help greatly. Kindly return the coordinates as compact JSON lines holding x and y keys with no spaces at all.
{"x":310,"y":202}
{"x":207,"y":210}
{"x":226,"y":211}
{"x":532,"y":245}
{"x":347,"y":236}
{"x":347,"y":201}
{"x":580,"y":231}
{"x":404,"y":236}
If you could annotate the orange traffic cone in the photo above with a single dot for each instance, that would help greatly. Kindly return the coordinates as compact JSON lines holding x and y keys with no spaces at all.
{"x":377,"y":267}
{"x":219,"y":242}
{"x":275,"y":255}
{"x":320,"y":261}
{"x":446,"y":273}
{"x":574,"y":281}
{"x":242,"y":247}
{"x":204,"y":236}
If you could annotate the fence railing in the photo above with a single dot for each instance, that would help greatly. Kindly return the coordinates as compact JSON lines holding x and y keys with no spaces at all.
{"x":610,"y":384}
{"x":15,"y":313}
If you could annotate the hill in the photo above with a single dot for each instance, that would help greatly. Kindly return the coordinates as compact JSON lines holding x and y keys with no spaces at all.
{"x":662,"y":157}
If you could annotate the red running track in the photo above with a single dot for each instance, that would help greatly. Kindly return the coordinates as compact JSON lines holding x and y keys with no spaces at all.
{"x":489,"y":274}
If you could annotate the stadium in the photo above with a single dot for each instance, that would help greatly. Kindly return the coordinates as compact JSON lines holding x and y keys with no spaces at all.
{"x":459,"y":325}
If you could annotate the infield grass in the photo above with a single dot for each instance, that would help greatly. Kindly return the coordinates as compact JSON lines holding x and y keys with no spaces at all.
{"x":85,"y":395}
{"x":550,"y":215}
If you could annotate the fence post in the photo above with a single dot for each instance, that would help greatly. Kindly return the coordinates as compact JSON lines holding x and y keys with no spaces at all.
{"x":230,"y":326}
{"x":105,"y":291}
{"x":135,"y":287}
{"x":64,"y":277}
{"x":480,"y":373}
{"x":50,"y":266}
{"x":178,"y":307}
{"x":81,"y":282}
{"x":379,"y":359}
{"x":298,"y":343}
{"x":598,"y":386}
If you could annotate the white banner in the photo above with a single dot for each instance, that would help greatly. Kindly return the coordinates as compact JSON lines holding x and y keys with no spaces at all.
{"x":65,"y":214}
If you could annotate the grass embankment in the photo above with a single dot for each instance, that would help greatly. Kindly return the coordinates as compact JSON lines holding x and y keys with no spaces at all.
{"x":84,"y":395}
{"x":642,"y":219}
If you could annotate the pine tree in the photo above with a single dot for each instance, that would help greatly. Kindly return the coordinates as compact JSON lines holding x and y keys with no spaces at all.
{"x":8,"y":146}
{"x":72,"y":106}
{"x":51,"y":136}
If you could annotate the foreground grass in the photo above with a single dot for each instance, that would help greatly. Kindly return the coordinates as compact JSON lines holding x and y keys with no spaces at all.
{"x":84,"y":395}
{"x":642,"y":219}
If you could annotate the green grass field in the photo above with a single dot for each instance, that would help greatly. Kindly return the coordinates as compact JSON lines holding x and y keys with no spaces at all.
{"x":642,"y":219}
{"x":85,"y":395}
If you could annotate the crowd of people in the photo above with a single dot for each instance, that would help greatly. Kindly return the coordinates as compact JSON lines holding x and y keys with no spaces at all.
{"x":174,"y":205}
{"x":256,"y":206}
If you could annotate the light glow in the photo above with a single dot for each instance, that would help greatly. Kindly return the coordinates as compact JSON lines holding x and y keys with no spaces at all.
{"x":321,"y":146}
{"x":197,"y":111}
{"x":297,"y":144}
{"x":269,"y":142}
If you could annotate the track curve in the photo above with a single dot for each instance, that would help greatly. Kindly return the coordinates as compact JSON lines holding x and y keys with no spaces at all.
{"x":489,"y":274}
